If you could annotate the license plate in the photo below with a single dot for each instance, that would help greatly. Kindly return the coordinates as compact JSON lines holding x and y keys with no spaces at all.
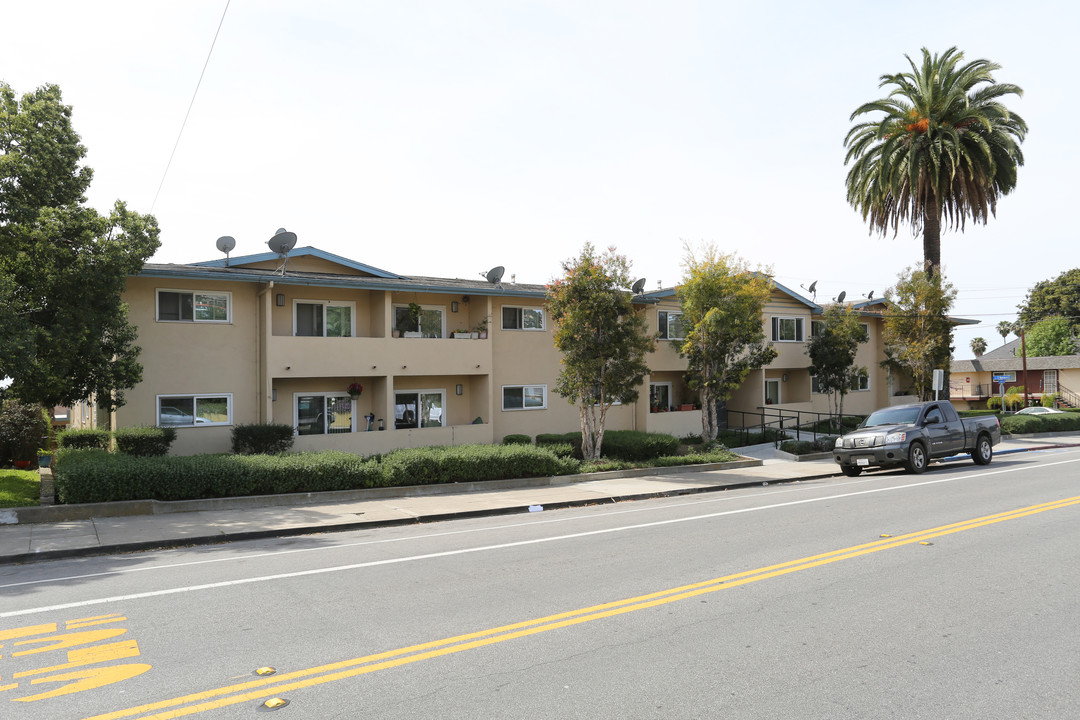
{"x":862,"y":461}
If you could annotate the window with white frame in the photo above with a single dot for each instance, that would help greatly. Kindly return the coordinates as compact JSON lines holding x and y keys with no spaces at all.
{"x":522,"y":318}
{"x":429,"y":324}
{"x":323,"y":413}
{"x":671,"y":325}
{"x":201,"y":410}
{"x":787,"y":329}
{"x":524,"y":397}
{"x":417,"y":409}
{"x":859,"y":383}
{"x":194,"y":306}
{"x":816,"y":328}
{"x":865,"y":330}
{"x":323,"y":318}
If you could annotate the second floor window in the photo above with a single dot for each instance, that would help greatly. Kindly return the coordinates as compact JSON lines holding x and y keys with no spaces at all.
{"x":193,"y":306}
{"x":322,"y":319}
{"x":522,"y":318}
{"x":787,"y":329}
{"x":671,"y":325}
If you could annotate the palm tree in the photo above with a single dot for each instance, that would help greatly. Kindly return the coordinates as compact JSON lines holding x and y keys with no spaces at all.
{"x":1004,"y":328}
{"x":978,"y":346}
{"x":946,"y":149}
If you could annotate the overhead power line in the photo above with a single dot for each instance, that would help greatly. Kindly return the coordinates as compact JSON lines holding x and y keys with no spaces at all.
{"x":190,"y":105}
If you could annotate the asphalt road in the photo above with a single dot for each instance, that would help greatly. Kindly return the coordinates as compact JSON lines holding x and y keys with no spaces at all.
{"x":946,"y":595}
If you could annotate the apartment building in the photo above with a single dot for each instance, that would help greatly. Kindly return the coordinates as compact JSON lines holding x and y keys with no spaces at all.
{"x":364,"y":360}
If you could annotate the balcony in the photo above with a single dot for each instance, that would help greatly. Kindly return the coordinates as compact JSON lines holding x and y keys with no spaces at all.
{"x":347,"y":357}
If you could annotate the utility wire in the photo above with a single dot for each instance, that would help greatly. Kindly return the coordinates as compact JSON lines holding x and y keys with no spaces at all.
{"x":190,"y":105}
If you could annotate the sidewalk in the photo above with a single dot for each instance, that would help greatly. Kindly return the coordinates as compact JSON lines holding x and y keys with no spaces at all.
{"x":80,"y":530}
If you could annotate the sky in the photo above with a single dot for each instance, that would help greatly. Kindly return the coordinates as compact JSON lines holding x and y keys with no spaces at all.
{"x":445,"y":138}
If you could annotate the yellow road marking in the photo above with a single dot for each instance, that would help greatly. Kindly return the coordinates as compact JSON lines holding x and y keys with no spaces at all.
{"x":265,"y":687}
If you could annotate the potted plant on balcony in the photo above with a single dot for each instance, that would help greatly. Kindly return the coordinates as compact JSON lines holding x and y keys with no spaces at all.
{"x":354,"y":390}
{"x":461,"y":334}
{"x":481,"y":329}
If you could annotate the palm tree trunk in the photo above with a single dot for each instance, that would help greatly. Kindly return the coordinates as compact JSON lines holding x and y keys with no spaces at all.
{"x":932,"y":236}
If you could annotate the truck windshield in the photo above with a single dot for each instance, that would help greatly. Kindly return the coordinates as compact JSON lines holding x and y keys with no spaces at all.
{"x":893,"y":416}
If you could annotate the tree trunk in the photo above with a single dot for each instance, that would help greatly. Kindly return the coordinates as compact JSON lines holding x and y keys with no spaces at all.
{"x":709,"y":424}
{"x":932,"y":237}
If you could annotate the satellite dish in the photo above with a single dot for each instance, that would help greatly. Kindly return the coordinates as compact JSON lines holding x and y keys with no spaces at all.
{"x":841,"y":296}
{"x":639,"y":286}
{"x":225,"y":244}
{"x":282,"y":242}
{"x":870,"y":296}
{"x":813,"y":287}
{"x":494,"y":275}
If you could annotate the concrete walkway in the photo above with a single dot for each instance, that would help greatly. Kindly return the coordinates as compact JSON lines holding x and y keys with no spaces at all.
{"x":77,"y":530}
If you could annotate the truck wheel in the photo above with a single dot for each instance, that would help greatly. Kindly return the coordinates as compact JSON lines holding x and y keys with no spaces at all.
{"x":916,"y":462}
{"x":851,"y":470}
{"x":984,"y":451}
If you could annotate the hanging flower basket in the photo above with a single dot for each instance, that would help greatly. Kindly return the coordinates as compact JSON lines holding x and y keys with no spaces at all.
{"x":355,"y":389}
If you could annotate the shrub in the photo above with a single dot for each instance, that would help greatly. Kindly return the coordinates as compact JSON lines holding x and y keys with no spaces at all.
{"x":517,"y":439}
{"x":993,"y":404}
{"x":692,"y":439}
{"x":23,"y":429}
{"x":797,"y":447}
{"x":634,"y":445}
{"x":83,"y":476}
{"x":87,"y":438}
{"x":824,"y":444}
{"x":469,"y":463}
{"x":571,"y":438}
{"x":1049,"y":399}
{"x":262,"y":439}
{"x":631,"y":445}
{"x":142,"y":441}
{"x":1062,"y":422}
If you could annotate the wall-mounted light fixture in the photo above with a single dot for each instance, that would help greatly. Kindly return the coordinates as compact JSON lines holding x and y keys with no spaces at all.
{"x":281,"y":299}
{"x":453,"y":306}
{"x":372,"y":367}
{"x":288,"y":367}
{"x":784,"y":377}
{"x":459,"y":389}
{"x":273,"y":394}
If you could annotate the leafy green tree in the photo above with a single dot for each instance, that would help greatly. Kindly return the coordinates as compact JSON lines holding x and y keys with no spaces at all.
{"x":945,"y":149}
{"x":1053,"y":336}
{"x":917,"y":331}
{"x":832,"y":353}
{"x":64,"y":334}
{"x":602,"y":339}
{"x":978,"y":346}
{"x":721,"y":300}
{"x":1059,"y":297}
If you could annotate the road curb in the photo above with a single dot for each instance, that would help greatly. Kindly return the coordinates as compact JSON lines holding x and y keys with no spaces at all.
{"x":220,"y":538}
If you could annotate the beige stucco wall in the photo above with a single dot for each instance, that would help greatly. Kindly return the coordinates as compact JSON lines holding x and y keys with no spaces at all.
{"x":193,"y":358}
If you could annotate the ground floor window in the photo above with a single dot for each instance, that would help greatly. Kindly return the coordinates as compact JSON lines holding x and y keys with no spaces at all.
{"x":323,"y":414}
{"x":524,"y":397}
{"x":194,"y":410}
{"x":419,"y":409}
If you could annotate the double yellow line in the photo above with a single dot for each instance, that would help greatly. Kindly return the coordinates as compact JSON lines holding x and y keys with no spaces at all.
{"x":263,"y":688}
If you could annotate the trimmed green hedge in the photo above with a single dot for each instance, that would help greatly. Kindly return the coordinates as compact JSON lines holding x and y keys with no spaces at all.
{"x":1063,"y":422}
{"x":144,"y":441}
{"x":630,"y":445}
{"x":262,"y":438}
{"x":469,"y":463}
{"x":517,"y":439}
{"x":81,"y":439}
{"x":83,"y":476}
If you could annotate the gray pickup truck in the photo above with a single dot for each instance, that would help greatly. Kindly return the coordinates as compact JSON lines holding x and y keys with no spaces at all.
{"x":912,"y":435}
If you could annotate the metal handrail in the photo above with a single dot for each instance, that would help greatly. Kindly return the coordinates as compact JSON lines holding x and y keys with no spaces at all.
{"x":782,"y":417}
{"x":1070,"y":397}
